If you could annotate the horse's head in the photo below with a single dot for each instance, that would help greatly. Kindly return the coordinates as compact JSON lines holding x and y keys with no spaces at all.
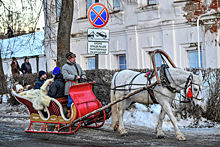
{"x":194,"y":90}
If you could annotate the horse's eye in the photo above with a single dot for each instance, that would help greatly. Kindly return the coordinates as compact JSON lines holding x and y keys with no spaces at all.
{"x":195,"y":89}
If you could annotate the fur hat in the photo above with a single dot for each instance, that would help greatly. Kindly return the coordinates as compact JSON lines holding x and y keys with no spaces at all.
{"x":56,"y":71}
{"x":18,"y":87}
{"x":70,"y":55}
{"x":41,"y":73}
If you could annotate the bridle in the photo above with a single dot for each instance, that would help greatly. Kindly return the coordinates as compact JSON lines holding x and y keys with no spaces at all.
{"x":189,"y":83}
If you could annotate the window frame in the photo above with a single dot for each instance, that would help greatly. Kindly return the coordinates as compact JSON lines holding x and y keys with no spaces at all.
{"x":196,"y":61}
{"x":93,"y":2}
{"x":148,"y":3}
{"x":117,"y":7}
{"x":93,"y":58}
{"x":158,"y":60}
{"x":124,"y":64}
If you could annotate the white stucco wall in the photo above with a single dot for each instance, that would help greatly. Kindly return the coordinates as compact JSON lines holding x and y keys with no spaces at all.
{"x":137,"y":30}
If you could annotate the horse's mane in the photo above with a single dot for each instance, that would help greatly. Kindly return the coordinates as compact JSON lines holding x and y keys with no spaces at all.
{"x":179,"y":71}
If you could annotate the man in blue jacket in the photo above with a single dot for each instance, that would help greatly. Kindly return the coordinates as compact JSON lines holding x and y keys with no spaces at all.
{"x":41,"y":79}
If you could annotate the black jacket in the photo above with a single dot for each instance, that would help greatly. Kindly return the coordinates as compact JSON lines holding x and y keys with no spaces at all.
{"x":39,"y":83}
{"x":56,"y":89}
{"x":23,"y":67}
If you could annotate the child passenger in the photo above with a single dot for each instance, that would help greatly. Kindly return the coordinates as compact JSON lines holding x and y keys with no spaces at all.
{"x":19,"y":88}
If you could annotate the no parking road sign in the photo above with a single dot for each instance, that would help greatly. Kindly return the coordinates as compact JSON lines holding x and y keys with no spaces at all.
{"x":98,"y":15}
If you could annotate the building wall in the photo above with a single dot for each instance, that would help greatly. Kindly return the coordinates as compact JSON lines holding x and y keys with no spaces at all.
{"x":138,"y":29}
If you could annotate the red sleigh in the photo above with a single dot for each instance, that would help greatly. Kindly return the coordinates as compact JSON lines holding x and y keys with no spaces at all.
{"x":84,"y":103}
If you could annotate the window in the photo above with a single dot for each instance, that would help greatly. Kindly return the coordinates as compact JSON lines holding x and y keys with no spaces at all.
{"x":158,"y":60}
{"x":193,"y":59}
{"x":152,"y":2}
{"x":59,"y":4}
{"x":116,"y":3}
{"x":122,"y":62}
{"x":90,"y":2}
{"x":91,"y":63}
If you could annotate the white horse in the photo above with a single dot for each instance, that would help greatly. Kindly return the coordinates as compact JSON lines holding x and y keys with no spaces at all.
{"x":178,"y":80}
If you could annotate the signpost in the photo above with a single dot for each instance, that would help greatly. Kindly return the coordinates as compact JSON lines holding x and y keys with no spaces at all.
{"x":98,"y":35}
{"x":98,"y":16}
{"x":98,"y":48}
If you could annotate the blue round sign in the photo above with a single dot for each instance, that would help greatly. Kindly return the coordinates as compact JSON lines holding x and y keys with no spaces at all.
{"x":98,"y":15}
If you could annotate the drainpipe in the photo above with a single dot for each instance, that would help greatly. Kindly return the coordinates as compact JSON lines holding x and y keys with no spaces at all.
{"x":217,"y":44}
{"x":199,"y":40}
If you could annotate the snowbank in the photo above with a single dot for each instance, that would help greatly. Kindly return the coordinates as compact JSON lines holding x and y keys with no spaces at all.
{"x":139,"y":116}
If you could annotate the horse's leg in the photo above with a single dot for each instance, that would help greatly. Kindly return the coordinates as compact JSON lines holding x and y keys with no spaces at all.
{"x":121,"y":127}
{"x":167,"y":109}
{"x":160,"y":133}
{"x":116,"y":125}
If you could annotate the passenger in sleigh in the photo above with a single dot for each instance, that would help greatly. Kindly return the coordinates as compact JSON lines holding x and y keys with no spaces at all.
{"x":56,"y":89}
{"x":19,"y":88}
{"x":72,"y":73}
{"x":40,"y":80}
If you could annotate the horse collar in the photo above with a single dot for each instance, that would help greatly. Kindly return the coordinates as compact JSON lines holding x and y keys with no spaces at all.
{"x":164,"y":80}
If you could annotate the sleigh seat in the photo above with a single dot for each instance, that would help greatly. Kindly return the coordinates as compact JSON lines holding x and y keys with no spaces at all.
{"x":55,"y":114}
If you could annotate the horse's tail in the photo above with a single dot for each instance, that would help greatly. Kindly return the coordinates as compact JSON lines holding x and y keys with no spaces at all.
{"x":113,"y":98}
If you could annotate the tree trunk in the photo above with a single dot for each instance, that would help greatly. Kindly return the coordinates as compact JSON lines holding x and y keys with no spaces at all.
{"x":1,"y":65}
{"x":2,"y":77}
{"x":64,"y":31}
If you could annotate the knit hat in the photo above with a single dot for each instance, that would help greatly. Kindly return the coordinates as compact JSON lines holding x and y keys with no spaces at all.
{"x":41,"y":73}
{"x":70,"y":55}
{"x":18,"y":87}
{"x":25,"y":58}
{"x":13,"y":58}
{"x":56,"y":71}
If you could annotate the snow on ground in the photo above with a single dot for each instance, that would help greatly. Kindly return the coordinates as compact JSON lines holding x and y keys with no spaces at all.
{"x":9,"y":113}
{"x":20,"y":110}
{"x":139,"y":116}
{"x":136,"y":116}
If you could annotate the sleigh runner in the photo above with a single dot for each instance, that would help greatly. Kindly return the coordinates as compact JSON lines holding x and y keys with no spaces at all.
{"x":84,"y":102}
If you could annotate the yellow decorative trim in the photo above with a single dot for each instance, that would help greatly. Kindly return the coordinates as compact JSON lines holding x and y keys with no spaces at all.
{"x":35,"y":117}
{"x":61,"y":120}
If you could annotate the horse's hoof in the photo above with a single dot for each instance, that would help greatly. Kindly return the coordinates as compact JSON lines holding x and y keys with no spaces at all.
{"x":182,"y":139}
{"x":116,"y":127}
{"x":160,"y":137}
{"x":124,"y":134}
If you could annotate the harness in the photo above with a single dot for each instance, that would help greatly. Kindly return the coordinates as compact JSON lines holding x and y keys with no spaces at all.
{"x":150,"y":75}
{"x":164,"y":80}
{"x":166,"y":83}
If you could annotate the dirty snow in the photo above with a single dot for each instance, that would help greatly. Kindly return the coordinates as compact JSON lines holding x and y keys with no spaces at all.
{"x":136,"y":116}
